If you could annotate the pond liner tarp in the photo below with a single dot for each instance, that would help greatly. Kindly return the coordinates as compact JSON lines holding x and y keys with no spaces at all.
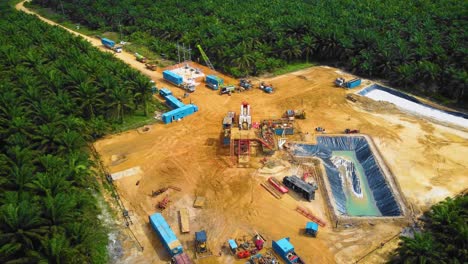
{"x":383,"y":196}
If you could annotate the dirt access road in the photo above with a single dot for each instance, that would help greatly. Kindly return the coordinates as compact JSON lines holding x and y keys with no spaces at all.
{"x":428,"y":160}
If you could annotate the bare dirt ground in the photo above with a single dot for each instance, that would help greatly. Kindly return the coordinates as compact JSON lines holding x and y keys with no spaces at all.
{"x":427,"y":159}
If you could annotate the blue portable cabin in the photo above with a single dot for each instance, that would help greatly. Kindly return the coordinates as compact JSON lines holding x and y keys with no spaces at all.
{"x":165,"y":92}
{"x":173,"y":102}
{"x":107,"y":42}
{"x":172,"y":77}
{"x":311,"y":229}
{"x":179,"y":113}
{"x":286,"y":251}
{"x":353,"y":83}
{"x":232,"y":245}
{"x":165,"y":233}
{"x":213,"y":81}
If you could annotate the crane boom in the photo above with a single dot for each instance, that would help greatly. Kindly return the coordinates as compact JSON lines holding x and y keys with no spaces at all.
{"x":205,"y":57}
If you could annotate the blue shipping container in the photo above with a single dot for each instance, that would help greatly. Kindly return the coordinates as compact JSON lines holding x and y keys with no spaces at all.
{"x":173,"y":102}
{"x":179,"y":113}
{"x":214,"y":80}
{"x":165,"y":92}
{"x":172,"y":77}
{"x":107,"y":42}
{"x":165,"y":233}
{"x":353,"y":83}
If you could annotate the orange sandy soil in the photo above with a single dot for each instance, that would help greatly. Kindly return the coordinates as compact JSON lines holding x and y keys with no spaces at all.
{"x":428,"y":160}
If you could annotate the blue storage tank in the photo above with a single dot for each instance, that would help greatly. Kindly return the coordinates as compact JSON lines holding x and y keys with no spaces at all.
{"x":179,"y":113}
{"x":165,"y":233}
{"x":173,"y":102}
{"x":107,"y":42}
{"x":172,"y":77}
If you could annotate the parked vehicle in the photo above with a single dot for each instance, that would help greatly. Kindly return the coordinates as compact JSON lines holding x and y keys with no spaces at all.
{"x":111,"y":45}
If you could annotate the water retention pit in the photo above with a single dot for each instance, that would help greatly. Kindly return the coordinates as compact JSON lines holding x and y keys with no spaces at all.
{"x":359,"y":185}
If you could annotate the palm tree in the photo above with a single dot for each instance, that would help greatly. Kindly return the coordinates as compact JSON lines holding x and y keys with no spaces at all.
{"x":308,"y":46}
{"x":88,"y":97}
{"x":142,"y":88}
{"x":22,"y":230}
{"x":420,"y":249}
{"x":120,"y":100}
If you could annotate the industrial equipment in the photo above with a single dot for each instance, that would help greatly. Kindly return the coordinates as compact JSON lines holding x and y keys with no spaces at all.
{"x":267,"y":88}
{"x":178,"y":81}
{"x":246,"y":84}
{"x":201,"y":247}
{"x":351,"y":131}
{"x":311,"y":229}
{"x":205,"y":57}
{"x":292,"y":114}
{"x":286,"y":251}
{"x":341,"y":82}
{"x":305,"y":189}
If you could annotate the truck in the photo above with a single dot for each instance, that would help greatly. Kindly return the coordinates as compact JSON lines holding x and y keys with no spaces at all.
{"x":227,"y":89}
{"x":140,"y":58}
{"x":213,"y":82}
{"x":165,"y":234}
{"x":111,"y":45}
{"x":285,"y":250}
{"x":306,"y":190}
{"x":178,"y":81}
{"x":341,"y":82}
{"x":181,"y":258}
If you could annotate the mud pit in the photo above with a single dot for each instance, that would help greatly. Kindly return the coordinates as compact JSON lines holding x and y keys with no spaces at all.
{"x":428,"y":161}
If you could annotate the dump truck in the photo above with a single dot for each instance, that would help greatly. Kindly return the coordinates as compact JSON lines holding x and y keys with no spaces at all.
{"x":267,"y":88}
{"x":140,"y":57}
{"x":151,"y":66}
{"x":341,"y":82}
{"x":111,"y":45}
{"x":178,"y":81}
{"x":213,"y":82}
{"x":285,"y":250}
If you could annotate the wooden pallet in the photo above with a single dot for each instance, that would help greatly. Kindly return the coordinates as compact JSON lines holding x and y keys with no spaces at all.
{"x":184,"y":220}
{"x":309,"y":215}
{"x":271,"y":190}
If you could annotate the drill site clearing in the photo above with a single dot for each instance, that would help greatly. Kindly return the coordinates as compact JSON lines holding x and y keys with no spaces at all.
{"x":304,"y":167}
